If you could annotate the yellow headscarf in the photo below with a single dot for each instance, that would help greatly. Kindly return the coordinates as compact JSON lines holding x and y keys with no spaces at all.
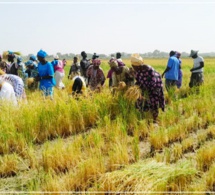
{"x":136,"y":59}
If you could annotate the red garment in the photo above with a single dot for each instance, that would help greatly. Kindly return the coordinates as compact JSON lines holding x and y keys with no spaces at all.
{"x":95,"y":77}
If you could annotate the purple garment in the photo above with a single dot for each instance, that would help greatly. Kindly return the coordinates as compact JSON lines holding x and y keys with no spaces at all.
{"x":179,"y":81}
{"x":110,"y":72}
{"x":150,"y":83}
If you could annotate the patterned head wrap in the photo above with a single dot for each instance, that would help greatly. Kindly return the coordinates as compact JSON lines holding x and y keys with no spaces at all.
{"x":33,"y":58}
{"x":96,"y":62}
{"x":136,"y":60}
{"x":41,"y":54}
{"x":113,"y":63}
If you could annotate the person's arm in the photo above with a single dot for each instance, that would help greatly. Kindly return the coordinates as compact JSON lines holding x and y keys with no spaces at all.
{"x":169,"y":65}
{"x":199,"y":67}
{"x":102,"y":78}
{"x":70,"y":71}
{"x":166,"y":70}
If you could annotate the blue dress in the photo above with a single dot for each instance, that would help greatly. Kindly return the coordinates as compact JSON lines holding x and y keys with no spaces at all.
{"x":46,"y":85}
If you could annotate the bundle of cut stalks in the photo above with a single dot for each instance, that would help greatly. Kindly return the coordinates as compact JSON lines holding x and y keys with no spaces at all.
{"x":6,"y":53}
{"x":122,"y":85}
{"x":30,"y":81}
{"x":133,"y":93}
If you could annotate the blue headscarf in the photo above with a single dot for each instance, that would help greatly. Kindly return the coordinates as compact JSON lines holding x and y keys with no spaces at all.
{"x":33,"y":58}
{"x":42,"y":53}
{"x":19,"y":59}
{"x":29,"y":62}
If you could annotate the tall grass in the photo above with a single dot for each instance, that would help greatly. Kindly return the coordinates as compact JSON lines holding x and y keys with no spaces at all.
{"x":101,"y":142}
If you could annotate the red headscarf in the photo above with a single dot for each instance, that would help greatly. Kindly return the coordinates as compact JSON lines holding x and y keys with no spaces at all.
{"x":96,"y":62}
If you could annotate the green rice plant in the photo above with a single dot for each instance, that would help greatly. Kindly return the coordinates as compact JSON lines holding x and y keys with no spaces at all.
{"x":176,"y":152}
{"x":148,"y":176}
{"x":197,"y":186}
{"x":143,"y":129}
{"x":211,"y":131}
{"x":86,"y":174}
{"x":9,"y":165}
{"x":202,"y":137}
{"x":117,"y":156}
{"x":59,"y":157}
{"x":158,"y":138}
{"x":205,"y":156}
{"x":188,"y":144}
{"x":53,"y":183}
{"x":210,"y":178}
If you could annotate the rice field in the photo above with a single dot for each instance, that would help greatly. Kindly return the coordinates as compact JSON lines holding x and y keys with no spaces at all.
{"x":101,"y":143}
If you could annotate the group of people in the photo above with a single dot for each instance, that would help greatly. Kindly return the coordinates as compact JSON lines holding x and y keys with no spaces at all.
{"x":173,"y":73}
{"x":16,"y":76}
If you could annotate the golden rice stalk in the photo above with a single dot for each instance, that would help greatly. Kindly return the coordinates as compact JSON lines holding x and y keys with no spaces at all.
{"x":122,"y":85}
{"x":17,"y":53}
{"x":133,"y":93}
{"x":30,"y":81}
{"x":5,"y":54}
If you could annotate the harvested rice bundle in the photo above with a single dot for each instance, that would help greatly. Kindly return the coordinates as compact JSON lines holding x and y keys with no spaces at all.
{"x":122,"y":85}
{"x":133,"y":93}
{"x":30,"y":81}
{"x":6,"y":53}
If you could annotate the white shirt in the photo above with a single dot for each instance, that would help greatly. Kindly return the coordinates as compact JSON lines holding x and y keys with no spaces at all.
{"x":7,"y":93}
{"x":196,"y":63}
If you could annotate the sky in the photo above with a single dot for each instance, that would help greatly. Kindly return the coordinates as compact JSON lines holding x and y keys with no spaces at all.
{"x":106,"y":27}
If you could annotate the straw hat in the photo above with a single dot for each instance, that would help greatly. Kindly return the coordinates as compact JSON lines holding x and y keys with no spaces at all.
{"x":136,"y":59}
{"x":193,"y":52}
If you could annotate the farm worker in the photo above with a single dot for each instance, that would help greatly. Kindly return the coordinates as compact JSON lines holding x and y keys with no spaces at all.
{"x":120,"y":74}
{"x":34,"y":59}
{"x":197,"y":77}
{"x":180,"y":75}
{"x":7,"y":94}
{"x":94,"y":56}
{"x":31,"y":74}
{"x":119,"y":60}
{"x":21,"y":68}
{"x":78,"y":85}
{"x":95,"y":75}
{"x":85,"y":63}
{"x":150,"y":82}
{"x":59,"y":72}
{"x":75,"y":67}
{"x":110,"y":72}
{"x":64,"y":62}
{"x":171,"y":71}
{"x":16,"y":82}
{"x":45,"y":74}
{"x":13,"y":66}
